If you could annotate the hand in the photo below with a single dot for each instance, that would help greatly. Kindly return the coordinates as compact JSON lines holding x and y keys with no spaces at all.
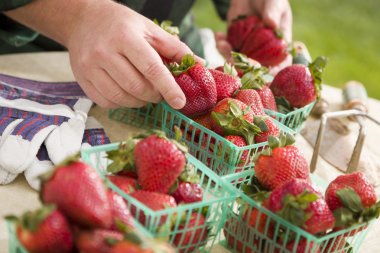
{"x":275,"y":13}
{"x":115,"y":57}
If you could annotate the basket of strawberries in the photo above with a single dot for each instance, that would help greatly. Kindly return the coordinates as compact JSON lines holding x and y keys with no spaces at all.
{"x":284,"y":209}
{"x":79,"y":213}
{"x":172,"y":194}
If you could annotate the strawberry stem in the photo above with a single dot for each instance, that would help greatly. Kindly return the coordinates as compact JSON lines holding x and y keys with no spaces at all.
{"x":316,"y":70}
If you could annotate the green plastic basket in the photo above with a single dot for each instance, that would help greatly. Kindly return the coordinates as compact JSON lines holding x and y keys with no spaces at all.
{"x":216,"y":193}
{"x":293,"y":119}
{"x":14,"y":245}
{"x":238,"y":236}
{"x":219,"y":154}
{"x":147,"y":117}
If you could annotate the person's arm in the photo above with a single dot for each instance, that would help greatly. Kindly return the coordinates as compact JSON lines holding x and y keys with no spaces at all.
{"x":114,"y":51}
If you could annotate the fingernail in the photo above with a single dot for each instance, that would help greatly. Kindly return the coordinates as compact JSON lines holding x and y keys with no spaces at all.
{"x":178,"y":103}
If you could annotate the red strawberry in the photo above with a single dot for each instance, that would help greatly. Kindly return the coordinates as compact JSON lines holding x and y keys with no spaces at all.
{"x":240,"y":142}
{"x":130,"y":247}
{"x":273,"y":130}
{"x":126,"y":184}
{"x":299,"y":85}
{"x":45,"y":230}
{"x":204,"y":120}
{"x":79,"y":193}
{"x":251,"y":97}
{"x":233,"y":117}
{"x":303,"y":247}
{"x":154,"y":200}
{"x":301,"y":204}
{"x":197,"y":83}
{"x":120,"y":211}
{"x":337,"y":244}
{"x":239,"y":30}
{"x":352,"y":198}
{"x":234,"y":238}
{"x":226,"y":82}
{"x":188,"y":193}
{"x":191,"y":234}
{"x":96,"y":240}
{"x":267,"y":98}
{"x":280,"y":163}
{"x":159,"y":162}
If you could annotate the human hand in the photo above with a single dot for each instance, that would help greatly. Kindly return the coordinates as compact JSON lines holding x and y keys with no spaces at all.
{"x":115,"y":57}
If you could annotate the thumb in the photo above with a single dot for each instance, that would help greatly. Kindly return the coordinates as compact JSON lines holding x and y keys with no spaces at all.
{"x":272,"y":13}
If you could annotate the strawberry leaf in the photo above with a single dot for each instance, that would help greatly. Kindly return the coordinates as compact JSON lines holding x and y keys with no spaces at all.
{"x":350,"y":199}
{"x":229,"y":69}
{"x":283,"y":105}
{"x":343,"y":217}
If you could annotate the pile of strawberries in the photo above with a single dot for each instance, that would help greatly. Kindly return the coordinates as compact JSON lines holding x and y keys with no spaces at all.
{"x":282,"y":185}
{"x":153,"y":170}
{"x":80,"y":214}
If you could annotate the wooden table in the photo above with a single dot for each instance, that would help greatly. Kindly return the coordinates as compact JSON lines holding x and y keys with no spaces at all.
{"x":18,"y":197}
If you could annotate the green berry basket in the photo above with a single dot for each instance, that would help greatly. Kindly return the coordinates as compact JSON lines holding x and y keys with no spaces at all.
{"x":238,"y":236}
{"x":147,"y":117}
{"x":14,"y":245}
{"x":216,"y":193}
{"x":219,"y":154}
{"x":293,"y":119}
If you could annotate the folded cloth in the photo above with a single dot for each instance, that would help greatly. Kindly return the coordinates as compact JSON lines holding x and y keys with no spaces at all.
{"x":94,"y":135}
{"x":30,"y":112}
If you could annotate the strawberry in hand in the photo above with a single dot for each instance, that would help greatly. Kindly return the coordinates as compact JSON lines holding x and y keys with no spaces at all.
{"x":45,"y":230}
{"x":280,"y":163}
{"x":352,"y":199}
{"x":198,"y":85}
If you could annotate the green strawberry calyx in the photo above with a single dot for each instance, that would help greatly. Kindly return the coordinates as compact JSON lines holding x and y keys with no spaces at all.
{"x":255,"y":190}
{"x":166,"y":25}
{"x":229,"y":69}
{"x":188,"y":61}
{"x":352,"y":211}
{"x":122,"y":158}
{"x":283,"y":140}
{"x":294,"y":207}
{"x":233,"y":123}
{"x":316,"y":69}
{"x":31,"y":220}
{"x":244,"y":63}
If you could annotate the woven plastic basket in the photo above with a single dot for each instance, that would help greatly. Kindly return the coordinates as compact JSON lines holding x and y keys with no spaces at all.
{"x":216,"y":192}
{"x":219,"y":154}
{"x":148,"y":117}
{"x":259,"y":236}
{"x":293,"y":119}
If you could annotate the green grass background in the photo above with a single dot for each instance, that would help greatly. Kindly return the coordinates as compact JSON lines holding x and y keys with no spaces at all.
{"x":346,"y":31}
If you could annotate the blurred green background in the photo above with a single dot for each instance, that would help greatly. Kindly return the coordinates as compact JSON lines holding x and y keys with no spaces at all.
{"x":346,"y":31}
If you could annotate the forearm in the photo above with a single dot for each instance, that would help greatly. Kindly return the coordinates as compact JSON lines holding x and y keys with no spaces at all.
{"x":55,"y":19}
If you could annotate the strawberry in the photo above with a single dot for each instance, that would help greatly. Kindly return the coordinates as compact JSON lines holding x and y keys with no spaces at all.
{"x":192,"y":233}
{"x":251,"y":97}
{"x":188,"y":193}
{"x":254,"y":79}
{"x":352,"y":198}
{"x":130,"y":247}
{"x":280,"y":163}
{"x":154,"y":200}
{"x":301,"y":204}
{"x":303,"y":247}
{"x":226,"y":81}
{"x":239,"y":30}
{"x":126,"y":184}
{"x":233,"y":117}
{"x":159,"y":162}
{"x":120,"y":211}
{"x":273,"y":130}
{"x":298,"y":85}
{"x":265,"y":45}
{"x":69,"y":185}
{"x":234,"y":238}
{"x":267,"y":98}
{"x":337,"y":244}
{"x":240,"y":142}
{"x":204,"y":120}
{"x":96,"y":240}
{"x":43,"y":231}
{"x":198,"y":85}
